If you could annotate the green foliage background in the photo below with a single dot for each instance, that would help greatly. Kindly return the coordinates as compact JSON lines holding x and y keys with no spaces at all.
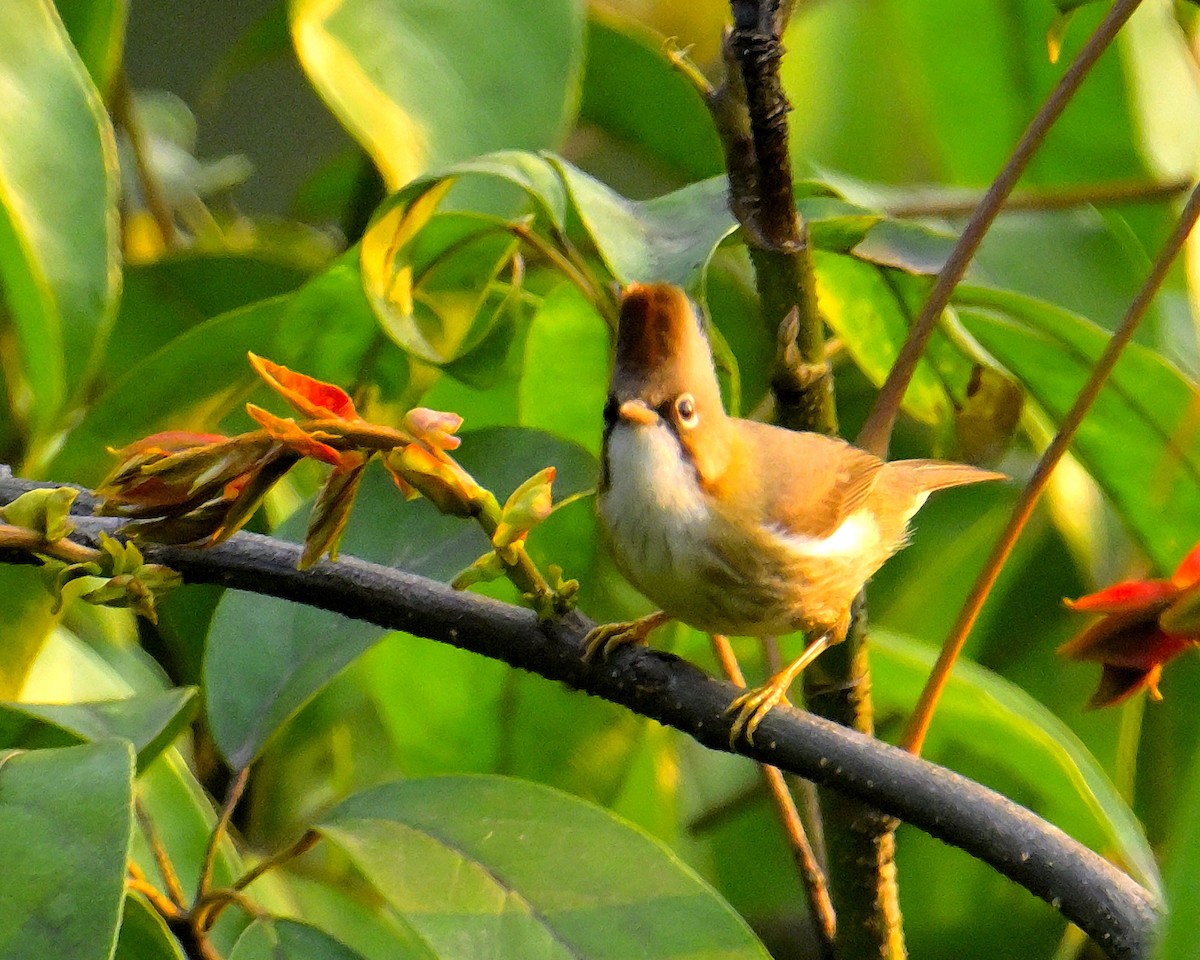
{"x":109,"y":334}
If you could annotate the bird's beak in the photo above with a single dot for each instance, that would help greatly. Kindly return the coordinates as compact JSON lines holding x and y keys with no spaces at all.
{"x":636,"y":411}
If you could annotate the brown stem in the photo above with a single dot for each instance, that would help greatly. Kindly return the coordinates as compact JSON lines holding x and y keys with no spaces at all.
{"x":157,"y":899}
{"x":299,"y":848}
{"x":236,"y":788}
{"x":876,"y":433}
{"x":1058,"y":198}
{"x":918,"y":724}
{"x":811,"y":874}
{"x":162,"y":859}
{"x":30,"y":541}
{"x":754,"y":134}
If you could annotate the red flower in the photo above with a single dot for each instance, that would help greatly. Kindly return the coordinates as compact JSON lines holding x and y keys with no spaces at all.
{"x":1144,"y":624}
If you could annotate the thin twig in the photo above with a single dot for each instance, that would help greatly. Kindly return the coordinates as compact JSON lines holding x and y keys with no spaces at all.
{"x":166,"y":870}
{"x":158,"y":900}
{"x":236,"y":787}
{"x":299,"y":848}
{"x":1057,"y":198}
{"x":876,"y":433}
{"x":811,"y":874}
{"x":918,"y":724}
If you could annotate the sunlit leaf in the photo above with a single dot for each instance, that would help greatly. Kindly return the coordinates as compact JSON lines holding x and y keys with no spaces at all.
{"x":668,"y":239}
{"x":59,"y":243}
{"x":65,"y":822}
{"x":995,"y":732}
{"x":418,"y":89}
{"x":1137,"y":441}
{"x":455,"y":855}
{"x":864,"y":311}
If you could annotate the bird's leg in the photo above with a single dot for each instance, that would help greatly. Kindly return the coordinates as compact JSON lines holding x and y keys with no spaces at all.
{"x":607,"y":637}
{"x":755,"y":704}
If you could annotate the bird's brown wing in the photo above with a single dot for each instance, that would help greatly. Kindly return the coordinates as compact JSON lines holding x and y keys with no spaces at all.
{"x":813,"y":482}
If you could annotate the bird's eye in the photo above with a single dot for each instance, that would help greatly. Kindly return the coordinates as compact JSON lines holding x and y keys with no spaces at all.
{"x":611,"y":410}
{"x":685,"y":408}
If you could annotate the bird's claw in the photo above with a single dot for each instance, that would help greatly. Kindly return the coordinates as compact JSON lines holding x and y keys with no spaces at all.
{"x":753,"y":706}
{"x":607,"y":637}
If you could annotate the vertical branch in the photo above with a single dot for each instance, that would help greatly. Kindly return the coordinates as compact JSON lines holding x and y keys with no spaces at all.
{"x":876,"y":433}
{"x":750,"y":113}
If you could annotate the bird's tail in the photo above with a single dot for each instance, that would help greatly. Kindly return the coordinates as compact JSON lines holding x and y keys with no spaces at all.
{"x":930,"y":475}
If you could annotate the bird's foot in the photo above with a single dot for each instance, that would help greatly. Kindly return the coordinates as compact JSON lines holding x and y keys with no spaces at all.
{"x":753,"y":705}
{"x":607,"y":637}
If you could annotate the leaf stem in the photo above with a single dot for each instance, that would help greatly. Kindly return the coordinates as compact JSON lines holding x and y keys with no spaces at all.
{"x":162,"y":860}
{"x":939,"y":204}
{"x":236,"y":788}
{"x":811,"y":875}
{"x":922,"y":716}
{"x":876,"y":433}
{"x":309,"y":840}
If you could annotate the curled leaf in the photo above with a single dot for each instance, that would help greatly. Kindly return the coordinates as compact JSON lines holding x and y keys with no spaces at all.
{"x":487,"y":568}
{"x":528,"y":506}
{"x":311,"y":397}
{"x":289,"y":432}
{"x":47,"y":512}
{"x":451,"y":488}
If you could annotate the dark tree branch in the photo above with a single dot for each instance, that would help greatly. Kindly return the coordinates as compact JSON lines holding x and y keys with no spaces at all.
{"x":860,"y":842}
{"x":1116,"y":912}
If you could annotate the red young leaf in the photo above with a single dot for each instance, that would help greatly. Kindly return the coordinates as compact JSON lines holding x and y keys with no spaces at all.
{"x":1128,"y":596}
{"x":1188,"y":571}
{"x":313,"y":398}
{"x":287,"y":431}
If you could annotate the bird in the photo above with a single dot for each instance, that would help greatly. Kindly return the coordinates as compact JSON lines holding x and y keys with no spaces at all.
{"x":734,"y":526}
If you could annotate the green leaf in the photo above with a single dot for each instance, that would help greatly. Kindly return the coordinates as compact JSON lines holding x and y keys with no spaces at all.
{"x":150,"y":721}
{"x":905,"y":246}
{"x":275,"y":939}
{"x":633,"y":93}
{"x":167,"y":298}
{"x":251,"y":692}
{"x":864,"y":311}
{"x":1137,"y":441}
{"x":992,"y":731}
{"x":565,"y":378}
{"x":189,"y":383}
{"x":1182,"y":926}
{"x":420,"y":87}
{"x":144,"y":934}
{"x":65,"y":822}
{"x":834,"y":224}
{"x":97,"y":28}
{"x":59,"y":240}
{"x":667,"y":239}
{"x":486,"y":865}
